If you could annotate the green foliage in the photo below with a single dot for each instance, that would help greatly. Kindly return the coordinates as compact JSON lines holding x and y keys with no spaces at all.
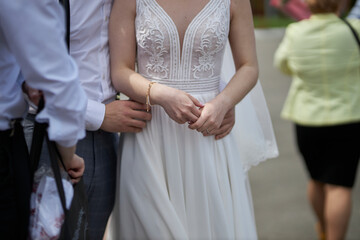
{"x":271,"y":22}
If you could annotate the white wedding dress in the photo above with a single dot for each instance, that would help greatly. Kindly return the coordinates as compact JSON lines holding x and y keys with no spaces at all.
{"x":174,"y":183}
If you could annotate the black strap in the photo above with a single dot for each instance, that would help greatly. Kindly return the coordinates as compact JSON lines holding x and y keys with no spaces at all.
{"x":39,"y":134}
{"x":66,"y":6}
{"x":55,"y":158}
{"x":353,"y":31}
{"x":37,"y":141}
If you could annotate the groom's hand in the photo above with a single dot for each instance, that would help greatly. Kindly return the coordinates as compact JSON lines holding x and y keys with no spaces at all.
{"x":125,"y":116}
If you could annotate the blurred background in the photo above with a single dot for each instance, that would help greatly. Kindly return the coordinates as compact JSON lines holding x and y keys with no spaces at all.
{"x":279,"y":185}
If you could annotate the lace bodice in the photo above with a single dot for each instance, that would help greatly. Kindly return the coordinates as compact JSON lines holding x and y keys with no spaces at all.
{"x":197,"y":66}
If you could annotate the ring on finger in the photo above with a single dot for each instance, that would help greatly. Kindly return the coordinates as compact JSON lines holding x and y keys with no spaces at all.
{"x":207,"y":131}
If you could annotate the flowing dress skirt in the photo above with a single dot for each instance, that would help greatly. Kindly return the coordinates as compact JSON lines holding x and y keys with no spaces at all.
{"x":174,"y":183}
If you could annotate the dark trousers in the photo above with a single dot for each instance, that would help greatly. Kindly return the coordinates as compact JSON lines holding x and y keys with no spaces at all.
{"x":99,"y":150}
{"x":15,"y":187}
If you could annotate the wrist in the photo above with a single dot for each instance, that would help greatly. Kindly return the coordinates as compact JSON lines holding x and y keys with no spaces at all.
{"x":66,"y":153}
{"x":157,"y":93}
{"x":224,"y":102}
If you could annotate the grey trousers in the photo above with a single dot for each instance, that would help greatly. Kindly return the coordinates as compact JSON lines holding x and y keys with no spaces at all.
{"x":99,"y":150}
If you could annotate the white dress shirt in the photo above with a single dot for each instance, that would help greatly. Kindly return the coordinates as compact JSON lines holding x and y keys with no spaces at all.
{"x":89,"y":47}
{"x":32,"y":39}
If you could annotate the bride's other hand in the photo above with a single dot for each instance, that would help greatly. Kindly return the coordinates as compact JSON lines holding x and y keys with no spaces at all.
{"x":225,"y":127}
{"x":212,"y":116}
{"x":179,"y":105}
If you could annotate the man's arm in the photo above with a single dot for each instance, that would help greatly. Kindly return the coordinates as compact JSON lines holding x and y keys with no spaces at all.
{"x":34,"y":33}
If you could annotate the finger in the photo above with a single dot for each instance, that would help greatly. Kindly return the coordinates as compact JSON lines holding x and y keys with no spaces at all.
{"x":196,"y":112}
{"x":132,"y":129}
{"x":136,"y":105}
{"x":75,"y":174}
{"x":222,"y":135}
{"x":226,"y":121}
{"x":191,"y":117}
{"x":198,"y":123}
{"x":181,"y":120}
{"x":205,"y":134}
{"x":140,"y":115}
{"x":207,"y":126}
{"x":75,"y":180}
{"x":204,"y":128}
{"x":220,"y":130}
{"x":195,"y":101}
{"x":137,"y":123}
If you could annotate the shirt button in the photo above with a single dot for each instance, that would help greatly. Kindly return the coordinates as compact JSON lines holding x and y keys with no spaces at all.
{"x":103,"y":76}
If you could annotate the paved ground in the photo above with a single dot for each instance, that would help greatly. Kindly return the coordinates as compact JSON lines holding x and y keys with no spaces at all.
{"x":279,"y":185}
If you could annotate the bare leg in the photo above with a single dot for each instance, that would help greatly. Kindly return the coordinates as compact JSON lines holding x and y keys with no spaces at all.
{"x":337,"y":211}
{"x":316,"y":196}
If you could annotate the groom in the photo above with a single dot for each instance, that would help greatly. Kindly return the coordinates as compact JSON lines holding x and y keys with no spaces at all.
{"x":104,"y":116}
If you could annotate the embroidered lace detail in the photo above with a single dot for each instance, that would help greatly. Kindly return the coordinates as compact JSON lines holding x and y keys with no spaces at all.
{"x":213,"y":41}
{"x":151,"y":39}
{"x":159,"y":54}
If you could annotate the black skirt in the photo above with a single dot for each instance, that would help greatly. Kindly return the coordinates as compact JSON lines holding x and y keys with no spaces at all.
{"x":331,"y":153}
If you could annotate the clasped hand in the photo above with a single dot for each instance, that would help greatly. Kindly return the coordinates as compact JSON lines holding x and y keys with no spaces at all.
{"x":209,"y":119}
{"x":214,"y":120}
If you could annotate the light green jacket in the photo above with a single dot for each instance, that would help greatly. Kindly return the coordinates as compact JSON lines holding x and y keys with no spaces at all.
{"x":323,"y":58}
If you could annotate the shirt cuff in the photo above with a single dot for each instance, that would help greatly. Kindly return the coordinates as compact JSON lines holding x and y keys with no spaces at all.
{"x":95,"y":114}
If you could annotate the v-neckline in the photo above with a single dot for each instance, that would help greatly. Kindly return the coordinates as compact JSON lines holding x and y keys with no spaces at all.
{"x":181,"y":46}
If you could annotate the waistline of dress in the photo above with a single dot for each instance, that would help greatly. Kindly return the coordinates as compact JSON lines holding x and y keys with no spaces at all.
{"x":191,"y":85}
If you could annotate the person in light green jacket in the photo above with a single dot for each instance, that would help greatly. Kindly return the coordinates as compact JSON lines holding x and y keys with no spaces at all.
{"x":323,"y":58}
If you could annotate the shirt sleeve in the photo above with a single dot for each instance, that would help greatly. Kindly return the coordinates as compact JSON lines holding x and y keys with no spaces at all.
{"x":355,"y":11}
{"x":282,"y":54}
{"x":95,"y":114}
{"x":34,"y":31}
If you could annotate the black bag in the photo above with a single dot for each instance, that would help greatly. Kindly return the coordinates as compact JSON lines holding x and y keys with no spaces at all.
{"x":75,"y":224}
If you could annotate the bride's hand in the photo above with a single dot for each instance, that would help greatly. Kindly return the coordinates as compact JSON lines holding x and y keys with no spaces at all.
{"x":225,"y":127}
{"x":179,"y":105}
{"x":212,"y":116}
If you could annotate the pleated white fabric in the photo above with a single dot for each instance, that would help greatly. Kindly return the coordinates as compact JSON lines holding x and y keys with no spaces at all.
{"x":177,"y":184}
{"x":174,"y":183}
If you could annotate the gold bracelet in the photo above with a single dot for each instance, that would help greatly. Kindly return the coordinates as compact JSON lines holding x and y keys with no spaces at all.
{"x":148,"y":104}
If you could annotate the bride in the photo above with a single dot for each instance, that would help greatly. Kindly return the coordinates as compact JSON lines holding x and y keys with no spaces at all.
{"x":177,"y":180}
